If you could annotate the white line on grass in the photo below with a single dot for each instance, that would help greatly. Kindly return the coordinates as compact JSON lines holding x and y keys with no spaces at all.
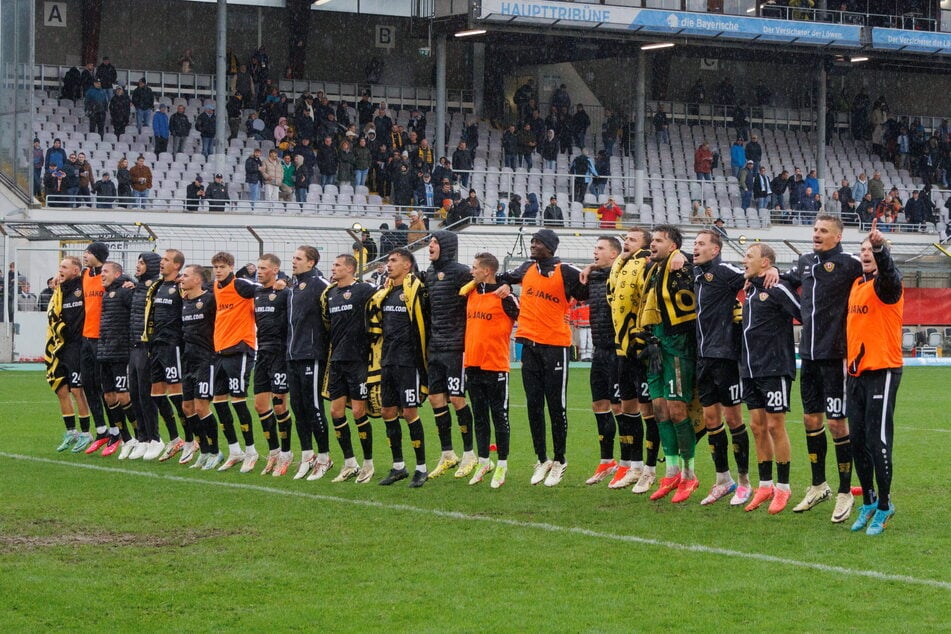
{"x":542,"y":526}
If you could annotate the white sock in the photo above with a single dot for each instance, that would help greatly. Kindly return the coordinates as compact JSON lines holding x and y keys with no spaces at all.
{"x":639,"y":464}
{"x":113,"y":431}
{"x":468,"y":454}
{"x":399,"y":465}
{"x":234,"y":448}
{"x":672,"y":470}
{"x":306,"y":455}
{"x":483,"y":461}
{"x":783,"y":486}
{"x":250,"y":449}
{"x":607,"y":460}
{"x":724,"y":478}
{"x":503,"y":463}
{"x":323,"y":457}
{"x":766,"y":483}
{"x":421,"y":468}
{"x":350,"y":462}
{"x":274,"y":452}
{"x":101,"y":430}
{"x":368,"y":463}
{"x":625,"y":463}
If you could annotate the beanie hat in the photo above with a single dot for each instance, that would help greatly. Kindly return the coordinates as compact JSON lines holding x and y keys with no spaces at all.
{"x":100,"y":250}
{"x":547,"y":237}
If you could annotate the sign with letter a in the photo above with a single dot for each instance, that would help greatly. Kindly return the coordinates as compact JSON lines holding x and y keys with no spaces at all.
{"x":54,"y":14}
{"x":385,"y":36}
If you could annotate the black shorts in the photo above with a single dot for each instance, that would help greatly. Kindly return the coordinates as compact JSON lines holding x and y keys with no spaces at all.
{"x":115,"y":376}
{"x":89,"y":364}
{"x":604,"y":376}
{"x":400,"y":387}
{"x":718,"y":381}
{"x":196,"y":379}
{"x":347,"y":378}
{"x":446,"y":374}
{"x":165,"y":363}
{"x":632,"y":380}
{"x":769,"y":392}
{"x":231,"y":373}
{"x":270,"y":372}
{"x":70,"y":357}
{"x":823,"y":387}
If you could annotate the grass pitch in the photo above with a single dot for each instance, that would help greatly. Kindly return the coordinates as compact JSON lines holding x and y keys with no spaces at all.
{"x":94,"y":544}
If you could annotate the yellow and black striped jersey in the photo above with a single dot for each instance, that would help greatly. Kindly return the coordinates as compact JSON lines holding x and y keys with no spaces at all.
{"x":625,"y":285}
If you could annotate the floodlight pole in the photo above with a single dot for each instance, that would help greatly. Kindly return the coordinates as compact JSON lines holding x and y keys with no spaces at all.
{"x":221,"y":97}
{"x":640,"y":111}
{"x":440,"y":149}
{"x":478,"y":77}
{"x":821,"y":131}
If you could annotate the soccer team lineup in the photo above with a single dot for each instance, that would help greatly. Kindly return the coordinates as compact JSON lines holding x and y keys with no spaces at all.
{"x":686,"y":346}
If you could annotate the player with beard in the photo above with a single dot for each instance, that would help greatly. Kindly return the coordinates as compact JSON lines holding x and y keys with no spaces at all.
{"x":198,"y":357}
{"x":397,"y":317}
{"x":270,"y":366}
{"x":344,"y":308}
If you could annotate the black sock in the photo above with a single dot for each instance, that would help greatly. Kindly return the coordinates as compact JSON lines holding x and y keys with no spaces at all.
{"x":116,"y":419}
{"x":226,"y":419}
{"x":843,"y":457}
{"x":606,"y":433}
{"x":268,"y":424}
{"x":718,"y":447}
{"x":625,"y":434}
{"x":284,"y":430}
{"x":464,"y":420}
{"x":164,"y":407}
{"x":129,"y":412}
{"x":417,"y":439}
{"x":244,"y":419}
{"x":817,"y":446}
{"x":365,"y":434}
{"x":782,"y":473}
{"x":651,"y":440}
{"x":178,"y":403}
{"x":342,"y":431}
{"x":209,"y":428}
{"x":394,"y":438}
{"x":443,"y":427}
{"x":741,"y":449}
{"x":766,"y":470}
{"x":84,"y":424}
{"x":70,"y":422}
{"x":193,"y":425}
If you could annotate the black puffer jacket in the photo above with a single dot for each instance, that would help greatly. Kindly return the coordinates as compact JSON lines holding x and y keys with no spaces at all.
{"x":137,"y":312}
{"x":444,"y":278}
{"x":602,"y":324}
{"x":114,"y":323}
{"x":306,"y":335}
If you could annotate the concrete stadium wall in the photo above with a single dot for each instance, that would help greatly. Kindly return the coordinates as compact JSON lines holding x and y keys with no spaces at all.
{"x":152,"y":34}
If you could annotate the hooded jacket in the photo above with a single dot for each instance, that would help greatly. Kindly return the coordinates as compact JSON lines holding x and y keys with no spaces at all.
{"x":306,"y":334}
{"x":602,"y":323}
{"x":444,"y":278}
{"x":139,"y":294}
{"x":114,"y":322}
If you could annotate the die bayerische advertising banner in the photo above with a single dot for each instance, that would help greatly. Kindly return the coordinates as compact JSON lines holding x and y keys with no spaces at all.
{"x":671,"y":22}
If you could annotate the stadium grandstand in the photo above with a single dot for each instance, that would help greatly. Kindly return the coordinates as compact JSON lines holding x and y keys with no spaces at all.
{"x":255,"y":126}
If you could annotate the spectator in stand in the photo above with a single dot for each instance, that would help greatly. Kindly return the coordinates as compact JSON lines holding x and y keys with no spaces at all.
{"x":462,"y":163}
{"x":754,"y":152}
{"x":346,"y":164}
{"x":876,"y":188}
{"x":744,"y":180}
{"x":553,"y":216}
{"x":847,"y":204}
{"x":144,"y":101}
{"x":426,"y":193}
{"x":106,"y":75}
{"x":417,"y":228}
{"x":720,"y":227}
{"x":509,"y":147}
{"x":217,"y":194}
{"x":253,"y":170}
{"x":160,"y":129}
{"x":280,"y":131}
{"x":46,"y":295}
{"x":288,"y":183}
{"x":425,"y":158}
{"x":860,"y":188}
{"x":179,"y":126}
{"x":531,"y":210}
{"x":703,"y":162}
{"x":362,"y":159}
{"x":301,"y":180}
{"x":194,"y":194}
{"x":86,"y":180}
{"x":610,"y":131}
{"x":887,"y":213}
{"x":777,"y":188}
{"x":609,"y":213}
{"x":812,"y":181}
{"x":124,"y":182}
{"x":797,"y":188}
{"x":55,"y":155}
{"x":580,"y":122}
{"x":699,"y":214}
{"x":382,"y":123}
{"x":808,"y":207}
{"x":72,"y":85}
{"x":661,"y":126}
{"x":234,"y":107}
{"x":327,"y":162}
{"x":55,"y":186}
{"x":443,"y":171}
{"x":120,"y":109}
{"x":737,"y":156}
{"x":740,"y":122}
{"x":87,"y":79}
{"x":515,"y":209}
{"x":272,"y":175}
{"x":205,"y":124}
{"x":602,"y":165}
{"x":95,"y":105}
{"x":244,"y":84}
{"x":37,"y":168}
{"x":105,"y":190}
{"x":255,"y":127}
{"x":525,"y":145}
{"x":71,"y":181}
{"x":141,"y":181}
{"x":584,"y":172}
{"x":364,"y":109}
{"x":560,"y":98}
{"x":761,"y":188}
{"x":865,"y":211}
{"x":549,"y":150}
